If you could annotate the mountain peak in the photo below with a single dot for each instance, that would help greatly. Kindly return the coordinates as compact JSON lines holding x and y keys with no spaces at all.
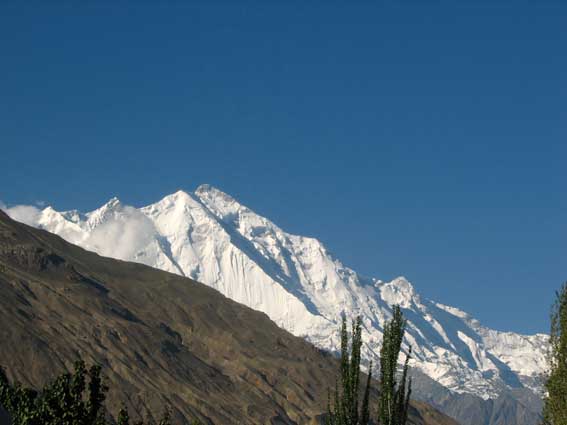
{"x":112,"y":203}
{"x":205,"y":187}
{"x":50,"y":213}
{"x":112,"y":207}
{"x":399,"y":291}
{"x":210,"y":192}
{"x":179,"y":199}
{"x":221,"y":202}
{"x":180,"y":195}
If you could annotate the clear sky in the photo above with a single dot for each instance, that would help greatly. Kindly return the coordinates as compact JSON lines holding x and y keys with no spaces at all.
{"x":425,"y":139}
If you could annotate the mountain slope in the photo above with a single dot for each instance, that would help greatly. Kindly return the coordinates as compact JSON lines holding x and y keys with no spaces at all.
{"x":162,"y":339}
{"x":210,"y":237}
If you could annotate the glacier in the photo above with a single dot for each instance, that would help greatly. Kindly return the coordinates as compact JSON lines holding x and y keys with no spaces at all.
{"x":209,"y":236}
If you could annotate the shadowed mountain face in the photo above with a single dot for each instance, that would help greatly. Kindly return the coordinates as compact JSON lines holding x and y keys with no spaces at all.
{"x":164,"y":340}
{"x":518,"y":407}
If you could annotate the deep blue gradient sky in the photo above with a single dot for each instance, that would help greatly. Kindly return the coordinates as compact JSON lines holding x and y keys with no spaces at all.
{"x":425,"y":140}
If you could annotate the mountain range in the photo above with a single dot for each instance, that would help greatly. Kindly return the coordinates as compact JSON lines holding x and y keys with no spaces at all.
{"x":210,"y":237}
{"x":163,"y":340}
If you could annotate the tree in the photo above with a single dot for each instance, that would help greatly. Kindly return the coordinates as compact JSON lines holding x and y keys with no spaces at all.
{"x":345,"y":409}
{"x":63,"y":401}
{"x":394,"y":396}
{"x":555,"y":402}
{"x":123,"y":416}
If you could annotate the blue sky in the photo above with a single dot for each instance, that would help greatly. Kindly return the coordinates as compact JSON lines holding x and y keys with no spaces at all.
{"x":425,"y":139}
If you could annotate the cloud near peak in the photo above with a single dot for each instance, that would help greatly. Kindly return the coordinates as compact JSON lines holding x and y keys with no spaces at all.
{"x":27,"y":214}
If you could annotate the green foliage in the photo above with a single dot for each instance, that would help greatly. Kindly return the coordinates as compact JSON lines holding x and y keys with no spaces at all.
{"x":61,"y":402}
{"x":123,"y":416}
{"x":345,"y":409}
{"x":394,"y":396}
{"x":68,"y":400}
{"x":555,"y":407}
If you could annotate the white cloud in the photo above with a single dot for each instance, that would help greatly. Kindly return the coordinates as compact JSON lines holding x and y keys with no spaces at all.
{"x":124,"y":236}
{"x":26,"y":214}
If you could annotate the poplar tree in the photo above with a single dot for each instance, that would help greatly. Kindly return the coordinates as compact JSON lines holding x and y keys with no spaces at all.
{"x":555,"y":402}
{"x":394,"y":396}
{"x":346,"y":408}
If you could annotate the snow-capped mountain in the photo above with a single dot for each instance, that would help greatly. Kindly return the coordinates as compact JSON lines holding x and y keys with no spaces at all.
{"x":209,"y":236}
